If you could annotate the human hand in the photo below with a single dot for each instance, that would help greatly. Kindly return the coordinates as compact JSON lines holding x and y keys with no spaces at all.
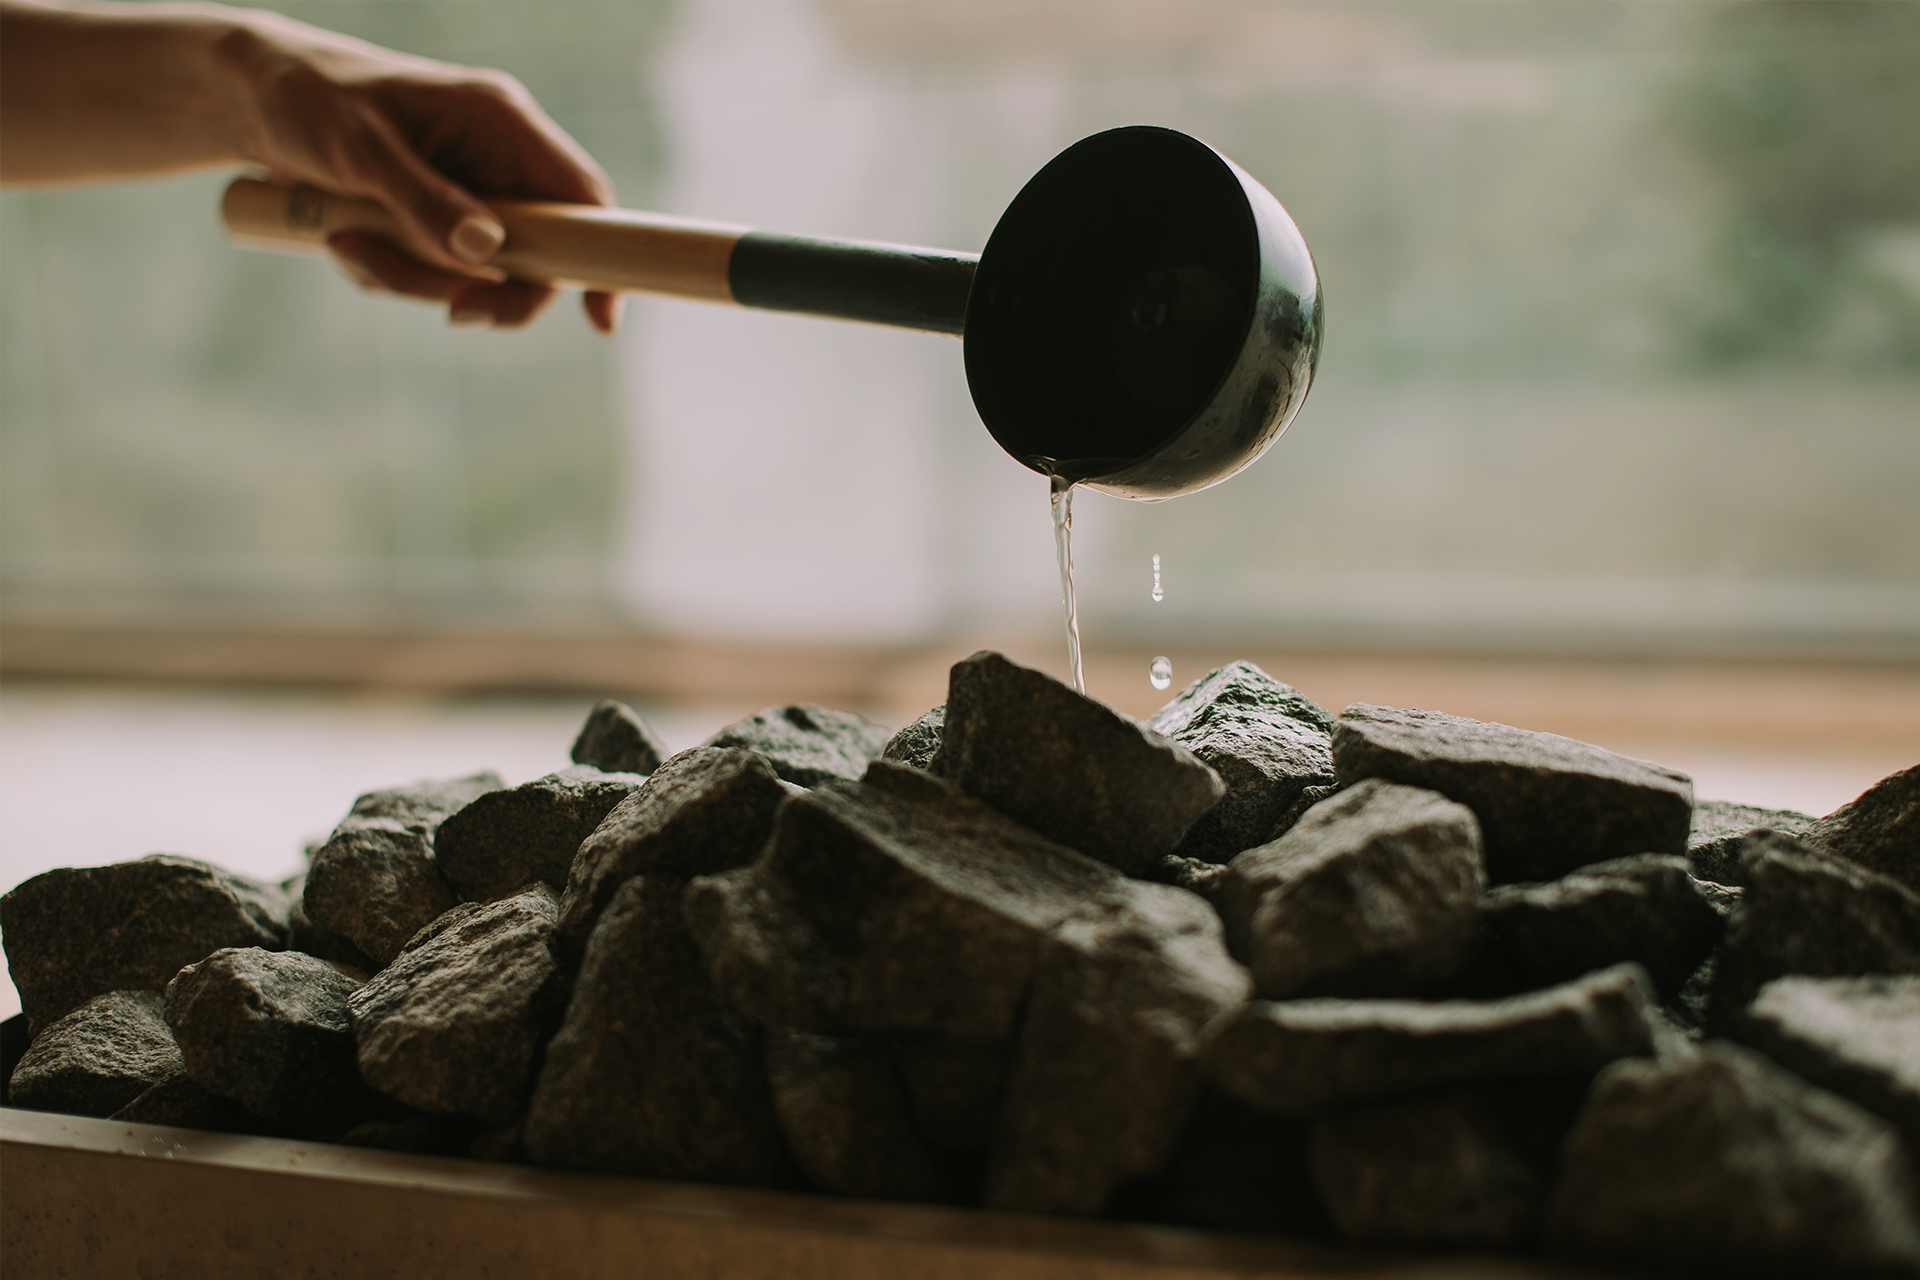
{"x":424,"y":139}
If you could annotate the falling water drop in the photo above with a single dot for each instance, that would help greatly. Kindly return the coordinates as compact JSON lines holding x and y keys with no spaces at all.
{"x":1158,"y":594}
{"x":1160,"y":673}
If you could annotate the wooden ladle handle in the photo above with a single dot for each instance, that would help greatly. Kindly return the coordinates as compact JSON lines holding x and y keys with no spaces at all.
{"x":630,"y":251}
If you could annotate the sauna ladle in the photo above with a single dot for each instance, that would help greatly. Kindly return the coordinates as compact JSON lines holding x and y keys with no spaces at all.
{"x":1145,"y":319}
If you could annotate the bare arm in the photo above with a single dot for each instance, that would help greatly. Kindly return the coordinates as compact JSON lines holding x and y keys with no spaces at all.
{"x":93,"y":91}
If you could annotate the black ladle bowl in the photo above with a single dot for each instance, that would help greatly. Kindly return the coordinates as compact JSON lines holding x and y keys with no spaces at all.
{"x":1145,"y":319}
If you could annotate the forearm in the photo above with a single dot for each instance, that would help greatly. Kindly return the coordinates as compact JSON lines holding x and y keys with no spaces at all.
{"x":90,"y":91}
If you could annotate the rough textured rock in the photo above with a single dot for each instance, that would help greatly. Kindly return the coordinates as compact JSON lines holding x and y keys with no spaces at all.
{"x":269,"y":1029}
{"x":1309,"y":797}
{"x":1723,"y":1160}
{"x":704,"y":811}
{"x":807,"y":745}
{"x":1191,"y":874}
{"x":1071,"y":768}
{"x":1807,"y":914}
{"x":1266,"y":740}
{"x":1857,"y":1037}
{"x":457,"y":1021}
{"x":919,"y":742}
{"x":1303,"y":1057}
{"x":316,"y":939}
{"x":424,"y":805}
{"x":1644,"y":909}
{"x":77,"y":933}
{"x":1880,"y":830}
{"x":1546,"y":804}
{"x":616,"y":740}
{"x":1713,"y":843}
{"x":892,"y":904}
{"x":1105,"y":1078}
{"x":1463,"y":1167}
{"x":847,"y":1120}
{"x":15,"y":1036}
{"x":505,"y":839}
{"x":1374,"y":892}
{"x":375,"y":883}
{"x":97,"y":1059}
{"x":651,"y":1073}
{"x":179,"y":1101}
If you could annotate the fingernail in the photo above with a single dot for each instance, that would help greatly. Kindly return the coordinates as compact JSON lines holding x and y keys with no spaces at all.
{"x":477,"y":238}
{"x":470,"y":318}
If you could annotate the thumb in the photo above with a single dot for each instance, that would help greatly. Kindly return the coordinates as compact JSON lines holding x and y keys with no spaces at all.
{"x":440,"y":218}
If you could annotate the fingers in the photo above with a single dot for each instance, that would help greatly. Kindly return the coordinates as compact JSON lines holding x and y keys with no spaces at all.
{"x":441,"y":218}
{"x":604,"y":310}
{"x":379,"y":264}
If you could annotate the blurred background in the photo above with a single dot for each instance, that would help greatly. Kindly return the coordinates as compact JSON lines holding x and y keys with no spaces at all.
{"x":1617,"y":430}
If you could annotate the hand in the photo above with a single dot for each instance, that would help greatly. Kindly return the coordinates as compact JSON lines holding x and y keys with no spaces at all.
{"x":423,"y":138}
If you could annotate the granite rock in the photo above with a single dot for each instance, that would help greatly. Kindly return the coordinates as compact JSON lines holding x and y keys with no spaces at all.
{"x":316,"y":939}
{"x":1722,"y":1160}
{"x":887,"y":905}
{"x":847,"y":1120}
{"x":1644,"y":908}
{"x":1192,"y":874}
{"x":99,"y":1058}
{"x":375,"y":883}
{"x":1546,"y":804}
{"x":457,"y":1022}
{"x":269,"y":1030}
{"x":1879,"y":830}
{"x":1713,"y":842}
{"x":77,"y":933}
{"x":180,"y":1102}
{"x":1857,"y":1037}
{"x":807,"y":745}
{"x":1073,"y":769}
{"x":651,"y":1073}
{"x":504,"y":839}
{"x":616,"y":740}
{"x":1105,"y":1078}
{"x":704,"y":811}
{"x":954,"y":1088}
{"x":1802,"y":913}
{"x":1464,"y":1167}
{"x":422,"y":806}
{"x":919,"y":742}
{"x":1304,"y":1057}
{"x":1309,"y":797}
{"x":1374,"y":892}
{"x":1266,"y":740}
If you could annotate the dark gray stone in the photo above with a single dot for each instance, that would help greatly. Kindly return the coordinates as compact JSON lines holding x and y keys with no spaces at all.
{"x":651,"y":1073}
{"x":847,"y":1120}
{"x":1857,"y":1037}
{"x":375,"y":883}
{"x":1304,"y":1057}
{"x":1073,"y":769}
{"x":1375,"y":892}
{"x":1644,"y":908}
{"x":807,"y":745}
{"x":269,"y":1029}
{"x":97,"y":1059}
{"x":892,"y":904}
{"x":1546,"y":804}
{"x":953,"y":1087}
{"x":1713,"y":842}
{"x":1191,"y":874}
{"x":1266,"y":740}
{"x":1105,"y":1079}
{"x":77,"y":933}
{"x":1879,"y":830}
{"x":919,"y":742}
{"x":1722,"y":1160}
{"x":504,"y":839}
{"x":1807,"y":914}
{"x":316,"y":939}
{"x":179,"y":1101}
{"x":704,"y":811}
{"x":457,"y":1021}
{"x":1466,"y":1167}
{"x":424,"y":805}
{"x":1723,"y":898}
{"x":1309,"y":797}
{"x":616,"y":740}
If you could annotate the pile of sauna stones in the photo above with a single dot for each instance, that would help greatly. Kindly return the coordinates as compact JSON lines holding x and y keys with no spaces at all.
{"x":1396,"y":976}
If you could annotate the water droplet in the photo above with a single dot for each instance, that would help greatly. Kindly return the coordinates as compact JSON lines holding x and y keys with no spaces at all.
{"x":1158,"y":594}
{"x":1160,"y":673}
